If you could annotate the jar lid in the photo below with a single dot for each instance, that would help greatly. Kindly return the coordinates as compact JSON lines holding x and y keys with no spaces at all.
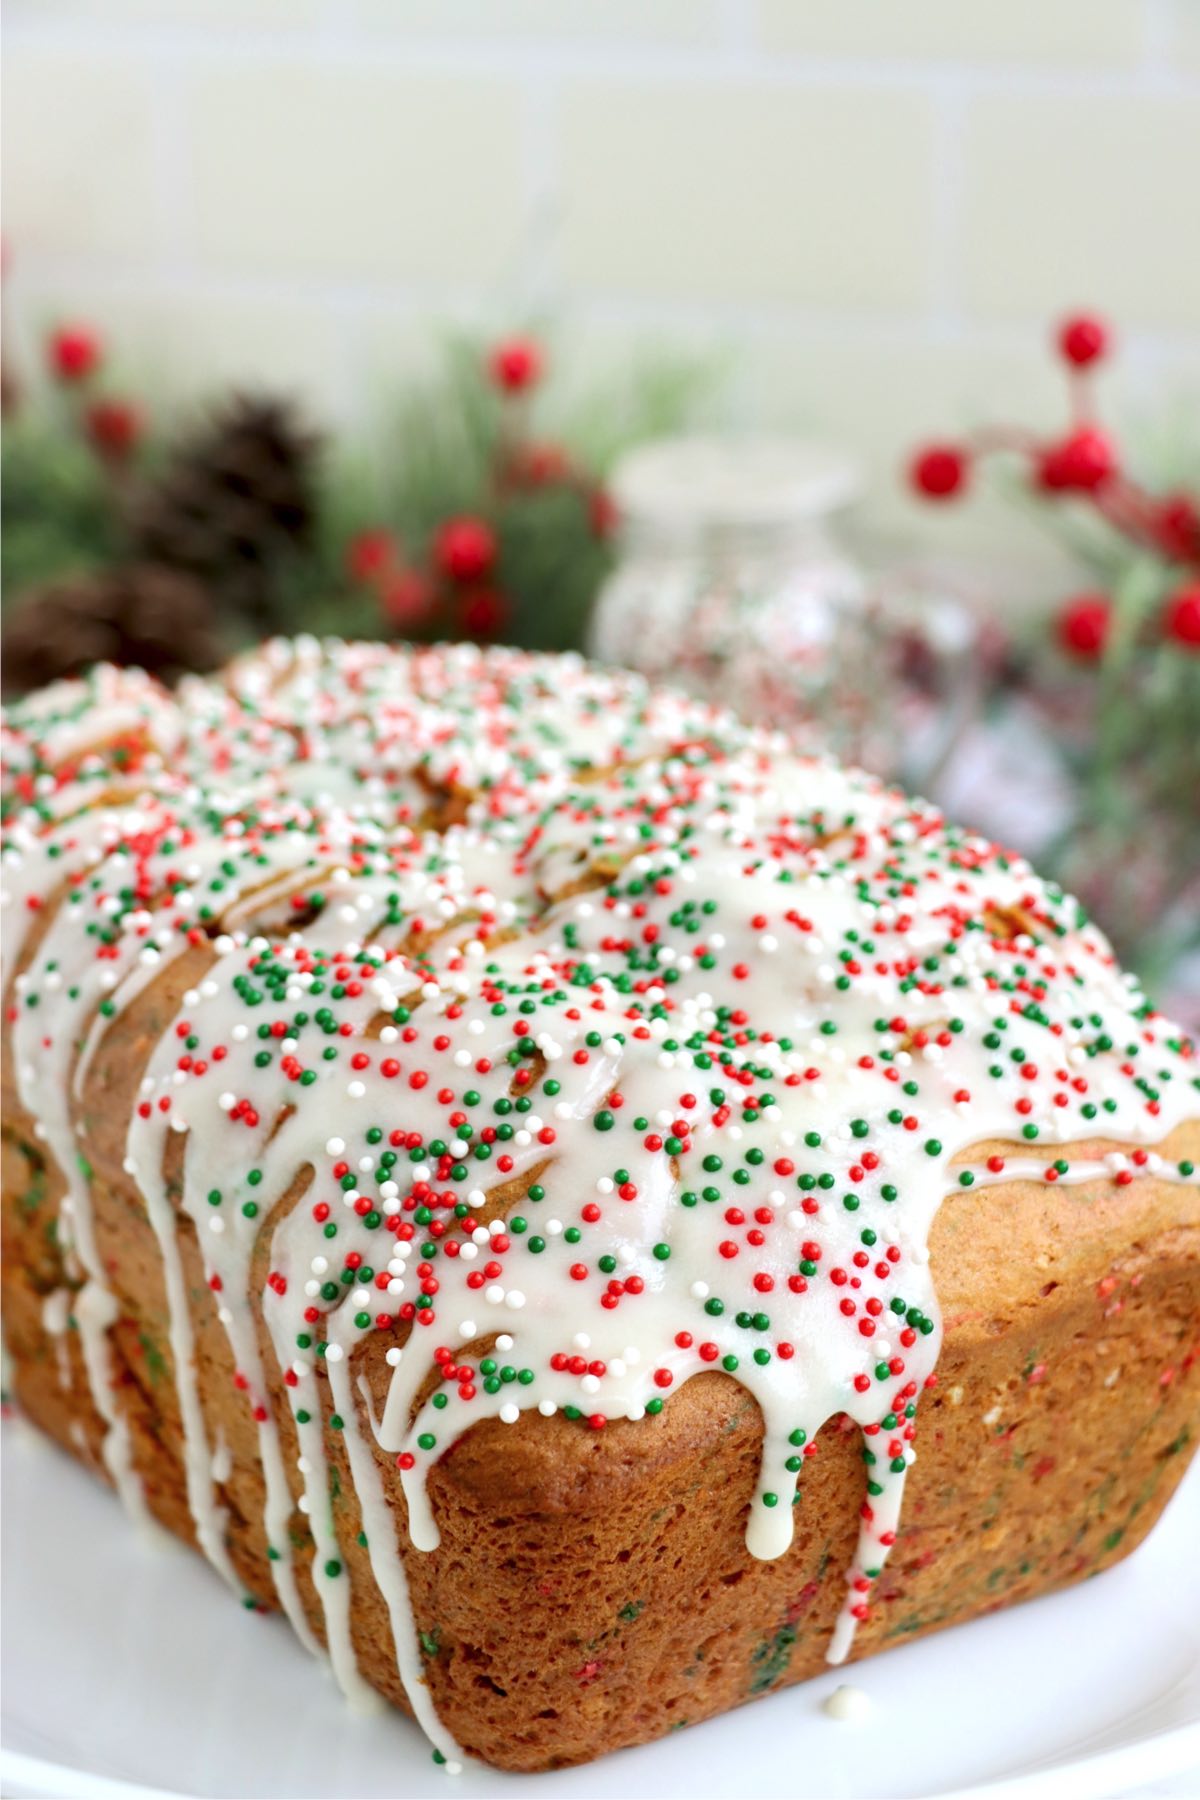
{"x":690,"y":483}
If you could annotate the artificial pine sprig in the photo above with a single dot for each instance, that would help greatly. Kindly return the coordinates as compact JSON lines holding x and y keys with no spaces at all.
{"x":488,"y":524}
{"x":477,"y":509}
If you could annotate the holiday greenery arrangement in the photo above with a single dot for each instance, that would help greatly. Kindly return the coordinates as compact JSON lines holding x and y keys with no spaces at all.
{"x":1112,"y":675}
{"x":472,"y":518}
{"x":124,"y":545}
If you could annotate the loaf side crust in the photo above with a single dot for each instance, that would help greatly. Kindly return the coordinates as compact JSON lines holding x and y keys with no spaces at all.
{"x":593,"y":1590}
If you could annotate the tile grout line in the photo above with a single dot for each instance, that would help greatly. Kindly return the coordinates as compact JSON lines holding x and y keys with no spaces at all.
{"x":734,"y":52}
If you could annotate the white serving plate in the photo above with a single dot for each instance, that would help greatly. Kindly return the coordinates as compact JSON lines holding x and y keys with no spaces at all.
{"x":127,"y":1667}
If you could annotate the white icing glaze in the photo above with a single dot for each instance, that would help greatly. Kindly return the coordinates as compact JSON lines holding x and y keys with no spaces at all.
{"x":56,"y":1319}
{"x":848,"y":1704}
{"x":811,"y":995}
{"x":95,"y":1310}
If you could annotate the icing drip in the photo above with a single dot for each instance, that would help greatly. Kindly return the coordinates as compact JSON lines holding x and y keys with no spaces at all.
{"x":95,"y":1310}
{"x":56,"y":1316}
{"x":639,"y":1047}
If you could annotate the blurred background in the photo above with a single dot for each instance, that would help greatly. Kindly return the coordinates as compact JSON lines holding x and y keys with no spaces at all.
{"x":360,"y":315}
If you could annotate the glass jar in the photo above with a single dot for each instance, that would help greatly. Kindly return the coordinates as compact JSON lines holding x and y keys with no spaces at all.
{"x":732,"y":581}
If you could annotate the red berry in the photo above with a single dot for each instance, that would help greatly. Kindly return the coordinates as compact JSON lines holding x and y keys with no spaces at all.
{"x":406,"y":597}
{"x":370,"y":554}
{"x":939,"y":471}
{"x":114,"y":426}
{"x":1083,"y":339}
{"x":602,"y":513}
{"x":465,"y":548}
{"x":1083,"y":625}
{"x":1181,"y":618}
{"x":484,"y":613}
{"x":74,"y":352}
{"x":1178,"y":528}
{"x":515,"y":364}
{"x":1084,"y":461}
{"x":540,"y":465}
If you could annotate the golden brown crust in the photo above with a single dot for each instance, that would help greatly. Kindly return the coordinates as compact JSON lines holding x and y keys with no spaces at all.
{"x":616,"y":1599}
{"x":592,"y":1588}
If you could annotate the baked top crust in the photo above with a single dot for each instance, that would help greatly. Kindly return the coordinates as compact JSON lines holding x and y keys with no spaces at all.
{"x":556,"y":1039}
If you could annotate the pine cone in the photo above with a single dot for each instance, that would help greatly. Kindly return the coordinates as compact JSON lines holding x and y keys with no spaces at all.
{"x":145,"y":616}
{"x":235,"y":498}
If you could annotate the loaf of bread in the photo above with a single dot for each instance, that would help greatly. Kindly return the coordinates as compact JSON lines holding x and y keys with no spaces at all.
{"x":592,"y":1214}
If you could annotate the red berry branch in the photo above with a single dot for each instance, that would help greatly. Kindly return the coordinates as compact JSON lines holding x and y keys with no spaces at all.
{"x":1084,"y":465}
{"x":114,"y":427}
{"x":462,"y":577}
{"x":1115,"y":715}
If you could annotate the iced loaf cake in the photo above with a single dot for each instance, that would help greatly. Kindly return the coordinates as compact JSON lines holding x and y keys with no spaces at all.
{"x":590,"y":1213}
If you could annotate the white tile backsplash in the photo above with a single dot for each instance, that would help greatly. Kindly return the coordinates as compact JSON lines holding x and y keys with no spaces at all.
{"x":737,"y":192}
{"x":878,"y":204}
